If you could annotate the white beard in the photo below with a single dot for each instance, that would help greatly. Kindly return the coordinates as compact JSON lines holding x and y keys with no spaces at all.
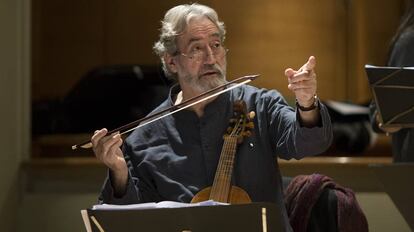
{"x":203,"y":84}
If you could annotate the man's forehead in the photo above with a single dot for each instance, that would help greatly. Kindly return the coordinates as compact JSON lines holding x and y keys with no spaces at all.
{"x":200,"y":28}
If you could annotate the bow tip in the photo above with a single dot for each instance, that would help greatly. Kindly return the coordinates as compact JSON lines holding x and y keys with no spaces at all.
{"x":253,"y":77}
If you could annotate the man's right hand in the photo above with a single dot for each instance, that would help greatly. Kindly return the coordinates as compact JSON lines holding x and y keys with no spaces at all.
{"x":107,"y":150}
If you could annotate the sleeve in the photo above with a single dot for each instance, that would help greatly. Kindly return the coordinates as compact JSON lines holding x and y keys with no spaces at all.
{"x":288,"y":137}
{"x":107,"y":196}
{"x":137,"y":191}
{"x":315,"y":140}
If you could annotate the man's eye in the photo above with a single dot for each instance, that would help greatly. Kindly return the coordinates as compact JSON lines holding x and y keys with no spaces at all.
{"x":196,"y":48}
{"x":216,"y":45}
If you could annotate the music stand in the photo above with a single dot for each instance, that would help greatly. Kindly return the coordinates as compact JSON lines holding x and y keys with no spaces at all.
{"x":398,"y":184}
{"x":393,"y":93}
{"x":260,"y":217}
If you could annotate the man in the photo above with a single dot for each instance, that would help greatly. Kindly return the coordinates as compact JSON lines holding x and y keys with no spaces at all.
{"x":176,"y":157}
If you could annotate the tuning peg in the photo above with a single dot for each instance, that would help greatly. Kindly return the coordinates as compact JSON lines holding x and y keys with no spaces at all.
{"x":247,"y":133}
{"x":252,"y":114}
{"x":250,"y":125}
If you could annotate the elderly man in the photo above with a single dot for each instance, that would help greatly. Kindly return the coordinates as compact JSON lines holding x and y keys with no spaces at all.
{"x":176,"y":157}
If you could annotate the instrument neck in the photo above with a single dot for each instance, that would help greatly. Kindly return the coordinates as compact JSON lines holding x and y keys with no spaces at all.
{"x":222,"y":181}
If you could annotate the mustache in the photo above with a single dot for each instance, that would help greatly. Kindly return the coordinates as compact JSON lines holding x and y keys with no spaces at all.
{"x":213,"y":68}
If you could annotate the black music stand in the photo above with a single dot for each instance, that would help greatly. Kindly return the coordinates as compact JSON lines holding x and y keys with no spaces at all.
{"x":263,"y":217}
{"x":393,"y":93}
{"x":398,"y":184}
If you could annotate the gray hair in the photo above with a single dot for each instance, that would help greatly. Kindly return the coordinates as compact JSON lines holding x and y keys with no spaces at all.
{"x":175,"y":22}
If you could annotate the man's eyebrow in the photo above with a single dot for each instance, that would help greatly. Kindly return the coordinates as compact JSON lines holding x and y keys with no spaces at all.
{"x":195,"y":39}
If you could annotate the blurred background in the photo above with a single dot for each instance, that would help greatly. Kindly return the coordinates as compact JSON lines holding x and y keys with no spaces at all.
{"x":70,"y":67}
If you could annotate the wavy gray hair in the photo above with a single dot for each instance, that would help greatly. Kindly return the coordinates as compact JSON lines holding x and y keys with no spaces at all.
{"x":175,"y":22}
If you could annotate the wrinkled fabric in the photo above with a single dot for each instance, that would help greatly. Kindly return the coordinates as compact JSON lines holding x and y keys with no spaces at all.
{"x":304,"y":191}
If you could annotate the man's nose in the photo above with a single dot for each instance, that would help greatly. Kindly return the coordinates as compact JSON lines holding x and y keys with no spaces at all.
{"x":210,"y":58}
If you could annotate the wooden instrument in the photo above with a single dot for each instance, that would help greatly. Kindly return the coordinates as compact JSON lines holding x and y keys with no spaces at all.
{"x":222,"y":191}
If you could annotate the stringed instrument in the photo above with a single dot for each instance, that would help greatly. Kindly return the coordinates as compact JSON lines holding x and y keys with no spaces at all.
{"x":222,"y":190}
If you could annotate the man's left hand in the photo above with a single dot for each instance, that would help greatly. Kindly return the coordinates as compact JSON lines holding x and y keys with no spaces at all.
{"x":303,"y":82}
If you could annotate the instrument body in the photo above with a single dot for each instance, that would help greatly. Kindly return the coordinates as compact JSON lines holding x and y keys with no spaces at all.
{"x":236,"y":196}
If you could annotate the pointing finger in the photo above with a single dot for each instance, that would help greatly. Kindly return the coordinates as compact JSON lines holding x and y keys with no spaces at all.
{"x":289,"y":72}
{"x":310,"y":65}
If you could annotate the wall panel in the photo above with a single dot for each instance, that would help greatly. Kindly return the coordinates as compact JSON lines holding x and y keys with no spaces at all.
{"x":270,"y":36}
{"x":70,"y":38}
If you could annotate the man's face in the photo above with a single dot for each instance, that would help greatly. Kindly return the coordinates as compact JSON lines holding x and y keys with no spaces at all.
{"x":201,"y":62}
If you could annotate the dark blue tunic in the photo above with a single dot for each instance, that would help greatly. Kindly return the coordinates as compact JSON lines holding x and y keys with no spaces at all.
{"x":176,"y":157}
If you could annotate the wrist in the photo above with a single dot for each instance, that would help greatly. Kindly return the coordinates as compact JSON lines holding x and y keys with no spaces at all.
{"x":120,"y":168}
{"x":313,"y":104}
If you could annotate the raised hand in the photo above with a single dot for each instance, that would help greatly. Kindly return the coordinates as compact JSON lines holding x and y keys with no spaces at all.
{"x":303,"y":82}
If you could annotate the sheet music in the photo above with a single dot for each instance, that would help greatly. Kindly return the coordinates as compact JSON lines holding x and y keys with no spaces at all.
{"x":156,"y":205}
{"x":393,"y":91}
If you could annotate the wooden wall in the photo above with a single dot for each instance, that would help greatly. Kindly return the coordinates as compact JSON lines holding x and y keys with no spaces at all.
{"x":269,"y":37}
{"x":71,"y":37}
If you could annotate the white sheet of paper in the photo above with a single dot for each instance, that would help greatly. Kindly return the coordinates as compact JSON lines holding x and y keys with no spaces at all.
{"x":156,"y":205}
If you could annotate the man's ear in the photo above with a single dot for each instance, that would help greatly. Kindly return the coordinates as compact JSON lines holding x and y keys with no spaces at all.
{"x":170,"y":63}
